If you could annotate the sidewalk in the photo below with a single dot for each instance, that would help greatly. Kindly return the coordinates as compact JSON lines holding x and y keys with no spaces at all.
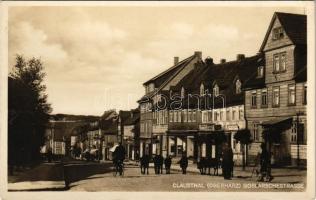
{"x":54,"y":176}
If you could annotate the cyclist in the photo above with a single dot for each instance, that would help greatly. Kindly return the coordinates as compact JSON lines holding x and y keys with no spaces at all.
{"x":118,"y":158}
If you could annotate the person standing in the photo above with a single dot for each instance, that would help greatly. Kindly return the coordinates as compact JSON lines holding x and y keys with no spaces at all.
{"x":227,"y":163}
{"x":168,"y":164}
{"x":156,"y":164}
{"x":265,"y":164}
{"x":184,"y":163}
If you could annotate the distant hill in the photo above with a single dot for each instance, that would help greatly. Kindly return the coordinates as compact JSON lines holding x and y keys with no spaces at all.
{"x":67,"y":117}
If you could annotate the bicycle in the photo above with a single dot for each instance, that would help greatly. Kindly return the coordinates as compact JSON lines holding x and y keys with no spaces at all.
{"x":118,"y":168}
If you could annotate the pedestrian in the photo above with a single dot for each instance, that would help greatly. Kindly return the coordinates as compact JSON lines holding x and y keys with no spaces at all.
{"x":156,"y":164}
{"x":184,"y":163}
{"x":168,"y":164}
{"x":265,"y":164}
{"x":227,"y":163}
{"x":144,"y":164}
{"x":160,"y":161}
{"x":49,"y":154}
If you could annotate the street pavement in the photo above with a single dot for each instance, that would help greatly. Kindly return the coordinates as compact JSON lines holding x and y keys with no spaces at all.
{"x":284,"y":180}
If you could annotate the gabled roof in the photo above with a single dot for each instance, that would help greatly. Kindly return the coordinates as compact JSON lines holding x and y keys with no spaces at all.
{"x":165,"y":77}
{"x":294,"y":26}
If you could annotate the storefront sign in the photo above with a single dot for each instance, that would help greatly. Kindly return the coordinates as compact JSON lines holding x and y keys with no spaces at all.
{"x":232,"y":127}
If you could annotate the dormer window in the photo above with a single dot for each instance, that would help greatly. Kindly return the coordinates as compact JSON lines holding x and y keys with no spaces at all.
{"x":278,"y":33}
{"x":202,"y":92}
{"x":216,"y":90}
{"x":238,"y":86}
{"x":182,"y":92}
{"x":260,"y":71}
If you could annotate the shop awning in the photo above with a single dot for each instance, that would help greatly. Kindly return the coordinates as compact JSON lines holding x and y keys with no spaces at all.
{"x":277,"y":121}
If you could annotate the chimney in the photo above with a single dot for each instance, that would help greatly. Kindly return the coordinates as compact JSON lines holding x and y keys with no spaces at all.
{"x":209,"y":61}
{"x":240,"y":57}
{"x":176,"y":60}
{"x":198,"y":54}
{"x":223,"y":60}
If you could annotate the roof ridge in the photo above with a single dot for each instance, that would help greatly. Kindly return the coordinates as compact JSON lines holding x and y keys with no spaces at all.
{"x":169,"y":69}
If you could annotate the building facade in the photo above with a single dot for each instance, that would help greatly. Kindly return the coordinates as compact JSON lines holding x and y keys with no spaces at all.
{"x":276,"y":97}
{"x":153,"y":89}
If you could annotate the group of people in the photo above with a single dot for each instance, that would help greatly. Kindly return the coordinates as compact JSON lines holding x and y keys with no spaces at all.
{"x":227,"y":162}
{"x":159,"y":161}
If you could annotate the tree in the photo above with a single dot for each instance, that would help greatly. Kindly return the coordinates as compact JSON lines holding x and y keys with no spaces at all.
{"x":28,"y":111}
{"x":244,"y":137}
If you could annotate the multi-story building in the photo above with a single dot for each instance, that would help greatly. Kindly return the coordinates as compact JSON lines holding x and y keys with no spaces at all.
{"x":206,"y":106}
{"x":275,"y":100}
{"x":161,"y":82}
{"x":131,"y":134}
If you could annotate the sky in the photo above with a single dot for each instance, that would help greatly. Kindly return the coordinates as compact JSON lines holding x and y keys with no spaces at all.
{"x":97,"y":58}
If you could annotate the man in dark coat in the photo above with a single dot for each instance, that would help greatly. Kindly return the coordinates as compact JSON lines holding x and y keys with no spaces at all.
{"x":184,"y":163}
{"x":119,"y":152}
{"x":168,"y":164}
{"x":227,"y":163}
{"x":156,"y":164}
{"x":160,"y":160}
{"x":265,"y":164}
{"x":144,"y":164}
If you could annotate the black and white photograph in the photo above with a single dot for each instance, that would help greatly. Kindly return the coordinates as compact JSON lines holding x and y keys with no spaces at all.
{"x":160,"y":97}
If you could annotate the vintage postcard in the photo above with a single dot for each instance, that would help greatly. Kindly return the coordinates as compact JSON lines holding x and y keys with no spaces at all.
{"x":174,"y":100}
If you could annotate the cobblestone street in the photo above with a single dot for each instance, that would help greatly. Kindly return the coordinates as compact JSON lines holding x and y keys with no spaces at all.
{"x":242,"y":181}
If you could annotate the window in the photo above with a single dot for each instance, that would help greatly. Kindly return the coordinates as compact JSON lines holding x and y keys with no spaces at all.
{"x":185,"y":116}
{"x":179,"y":115}
{"x":189,"y":116}
{"x":216,"y":90}
{"x":202,"y":89}
{"x":278,"y":33}
{"x":254,"y":99}
{"x":221,"y":115}
{"x":215,"y":116}
{"x":209,"y":116}
{"x":276,"y":63}
{"x":294,"y":132}
{"x":305,"y":94}
{"x":182,"y":92}
{"x":264,"y":99}
{"x":175,"y":116}
{"x":171,"y":116}
{"x":282,"y":61}
{"x":234,"y":115}
{"x":260,"y":71}
{"x":291,"y":94}
{"x":276,"y":96}
{"x":166,"y":116}
{"x":241,"y":113}
{"x":193,"y":116}
{"x":255,"y":134}
{"x":227,"y":115}
{"x":238,"y":86}
{"x":279,"y":62}
{"x":204,"y":117}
